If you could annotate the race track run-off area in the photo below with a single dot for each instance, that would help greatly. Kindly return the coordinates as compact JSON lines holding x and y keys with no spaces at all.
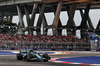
{"x":83,"y":60}
{"x":89,"y":60}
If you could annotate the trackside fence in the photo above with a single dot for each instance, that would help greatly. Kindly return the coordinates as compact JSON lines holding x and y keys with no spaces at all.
{"x":11,"y":45}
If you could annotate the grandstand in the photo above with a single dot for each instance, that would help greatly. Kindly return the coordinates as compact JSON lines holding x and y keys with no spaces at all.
{"x":43,"y":42}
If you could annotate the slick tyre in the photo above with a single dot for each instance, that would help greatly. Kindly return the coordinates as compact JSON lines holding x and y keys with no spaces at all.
{"x":47,"y":57}
{"x":46,"y":60}
{"x":19,"y":56}
{"x":27,"y":58}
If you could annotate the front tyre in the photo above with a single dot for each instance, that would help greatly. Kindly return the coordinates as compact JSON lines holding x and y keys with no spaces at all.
{"x":27,"y":58}
{"x":47,"y":57}
{"x":46,"y":60}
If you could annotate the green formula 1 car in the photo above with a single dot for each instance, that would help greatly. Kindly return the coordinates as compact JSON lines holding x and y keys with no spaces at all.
{"x":28,"y":55}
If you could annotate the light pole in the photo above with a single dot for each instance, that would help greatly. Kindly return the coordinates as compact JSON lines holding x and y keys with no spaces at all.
{"x":20,"y":31}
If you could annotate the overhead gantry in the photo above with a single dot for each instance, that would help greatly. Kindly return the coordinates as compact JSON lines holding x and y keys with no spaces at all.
{"x":10,"y":8}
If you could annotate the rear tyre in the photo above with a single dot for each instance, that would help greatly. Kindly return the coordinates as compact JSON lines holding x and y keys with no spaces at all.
{"x":19,"y":56}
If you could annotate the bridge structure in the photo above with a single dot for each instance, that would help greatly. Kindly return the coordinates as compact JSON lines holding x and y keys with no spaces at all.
{"x":10,"y":8}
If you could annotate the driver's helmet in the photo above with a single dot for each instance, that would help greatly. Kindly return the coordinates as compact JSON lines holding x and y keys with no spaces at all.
{"x":31,"y":50}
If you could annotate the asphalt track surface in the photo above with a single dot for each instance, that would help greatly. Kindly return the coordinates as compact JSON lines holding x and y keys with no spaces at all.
{"x":11,"y":60}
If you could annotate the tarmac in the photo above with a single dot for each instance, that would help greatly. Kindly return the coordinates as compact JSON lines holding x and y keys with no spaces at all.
{"x":64,"y":58}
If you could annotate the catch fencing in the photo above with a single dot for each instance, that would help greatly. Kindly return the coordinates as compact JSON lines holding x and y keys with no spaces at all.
{"x":54,"y":45}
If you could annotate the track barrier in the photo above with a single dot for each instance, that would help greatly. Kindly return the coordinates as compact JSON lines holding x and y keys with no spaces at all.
{"x":51,"y":49}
